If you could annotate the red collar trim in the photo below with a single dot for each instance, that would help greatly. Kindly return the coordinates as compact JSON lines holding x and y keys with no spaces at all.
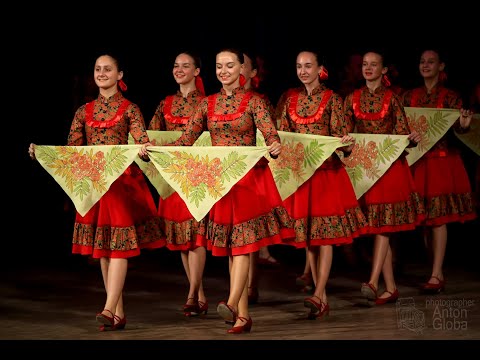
{"x":105,"y":123}
{"x":416,"y":93}
{"x":359,"y":114}
{"x":167,"y":112}
{"x":227,"y":117}
{"x":292,"y":109}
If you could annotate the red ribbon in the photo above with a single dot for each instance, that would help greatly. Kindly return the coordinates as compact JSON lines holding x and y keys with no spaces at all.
{"x":442,"y":76}
{"x":199,"y":84}
{"x":242,"y":80}
{"x":323,"y":73}
{"x":122,"y":85}
{"x":386,"y":80}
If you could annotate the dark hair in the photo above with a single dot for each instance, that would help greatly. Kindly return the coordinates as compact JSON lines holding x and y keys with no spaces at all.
{"x":436,"y":50}
{"x":381,"y":52}
{"x":116,"y":59}
{"x":320,"y":59}
{"x":235,"y":51}
{"x":197,"y":62}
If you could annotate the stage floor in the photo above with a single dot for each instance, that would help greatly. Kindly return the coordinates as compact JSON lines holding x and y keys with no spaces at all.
{"x":58,"y":301}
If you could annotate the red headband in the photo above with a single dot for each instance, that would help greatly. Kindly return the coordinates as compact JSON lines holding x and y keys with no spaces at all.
{"x":323,"y":73}
{"x":122,"y":85}
{"x":242,"y":80}
{"x":442,"y":76}
{"x":199,"y":84}
{"x":386,"y":80}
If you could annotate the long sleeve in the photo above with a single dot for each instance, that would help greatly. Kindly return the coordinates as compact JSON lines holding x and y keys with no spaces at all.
{"x":195,"y":126}
{"x":76,"y":136}
{"x":137,"y":124}
{"x":339,"y":126}
{"x":401,"y":123}
{"x":263,"y":120}
{"x":158,"y":120}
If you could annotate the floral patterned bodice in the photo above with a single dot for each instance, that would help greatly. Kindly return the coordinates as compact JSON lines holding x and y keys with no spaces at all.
{"x":438,"y":97}
{"x":232,"y":120}
{"x":173,"y":112}
{"x":320,"y":113}
{"x":107,"y":121}
{"x":380,"y":112}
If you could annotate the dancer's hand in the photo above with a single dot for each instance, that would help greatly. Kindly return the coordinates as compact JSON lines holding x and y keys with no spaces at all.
{"x":465,"y":118}
{"x":31,"y":151}
{"x":346,"y":139}
{"x":143,"y":151}
{"x":275,"y":149}
{"x":415,"y":137}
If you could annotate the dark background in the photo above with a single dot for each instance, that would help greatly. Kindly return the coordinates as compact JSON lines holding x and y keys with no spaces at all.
{"x":58,"y":51}
{"x":48,"y":50}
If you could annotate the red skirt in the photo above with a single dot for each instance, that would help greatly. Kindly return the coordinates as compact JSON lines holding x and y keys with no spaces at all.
{"x":392,"y":204}
{"x":325,"y":209}
{"x":180,"y":227}
{"x":249,"y":216}
{"x":123,"y":221}
{"x":443,"y":184}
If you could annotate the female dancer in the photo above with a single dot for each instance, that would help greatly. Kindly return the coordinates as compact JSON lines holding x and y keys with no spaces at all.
{"x":251,"y":214}
{"x":392,"y":203}
{"x":181,"y":228}
{"x":440,"y":175}
{"x":117,"y":226}
{"x":325,"y":209}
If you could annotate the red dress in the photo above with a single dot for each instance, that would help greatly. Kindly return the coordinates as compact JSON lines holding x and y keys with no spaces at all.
{"x":180,"y":227}
{"x":324,"y":208}
{"x":440,"y":175}
{"x":251,"y":214}
{"x":392,"y":204}
{"x":125,"y":219}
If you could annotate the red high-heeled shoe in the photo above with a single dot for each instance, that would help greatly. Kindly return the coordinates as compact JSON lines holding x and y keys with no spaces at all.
{"x":389,"y":299}
{"x":121,"y":322}
{"x":189,"y":308}
{"x":200,"y":309}
{"x":120,"y":325}
{"x":241,"y":328}
{"x":432,"y":287}
{"x":304,"y":280}
{"x":227,"y":312}
{"x":105,"y":319}
{"x":369,"y":291}
{"x":317,"y":310}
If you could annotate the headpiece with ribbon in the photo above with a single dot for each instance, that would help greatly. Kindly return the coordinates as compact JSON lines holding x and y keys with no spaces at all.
{"x":122,"y":85}
{"x":323,"y":73}
{"x":386,"y":80}
{"x":243,"y":81}
{"x":442,"y":76}
{"x":199,"y":84}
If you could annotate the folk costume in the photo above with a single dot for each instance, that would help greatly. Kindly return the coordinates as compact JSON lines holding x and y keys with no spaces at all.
{"x":125,"y":219}
{"x":251,"y":214}
{"x":392,"y":204}
{"x":324,"y":208}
